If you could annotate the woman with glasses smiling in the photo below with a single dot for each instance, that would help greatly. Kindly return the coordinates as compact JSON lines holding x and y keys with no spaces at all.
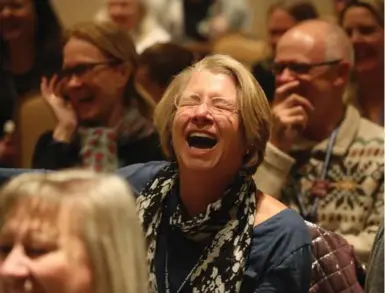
{"x":208,"y":227}
{"x":103,"y":123}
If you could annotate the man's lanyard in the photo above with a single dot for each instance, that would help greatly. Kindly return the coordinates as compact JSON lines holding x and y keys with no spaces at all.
{"x":311,"y":215}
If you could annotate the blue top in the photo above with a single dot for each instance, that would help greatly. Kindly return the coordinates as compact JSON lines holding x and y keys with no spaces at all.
{"x":280,"y":255}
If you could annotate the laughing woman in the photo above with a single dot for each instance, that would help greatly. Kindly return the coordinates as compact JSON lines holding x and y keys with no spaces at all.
{"x":103,"y":122}
{"x":208,"y":227}
{"x":363,"y":22}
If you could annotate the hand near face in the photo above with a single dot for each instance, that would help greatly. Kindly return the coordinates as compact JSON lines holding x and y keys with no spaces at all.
{"x":290,"y":115}
{"x":63,"y":110}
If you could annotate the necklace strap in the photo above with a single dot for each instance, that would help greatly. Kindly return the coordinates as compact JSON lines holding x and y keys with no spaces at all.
{"x":311,"y":214}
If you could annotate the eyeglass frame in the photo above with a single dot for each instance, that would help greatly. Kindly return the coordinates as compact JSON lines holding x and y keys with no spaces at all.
{"x":209,"y":107}
{"x":309,"y":66}
{"x":87,"y":67}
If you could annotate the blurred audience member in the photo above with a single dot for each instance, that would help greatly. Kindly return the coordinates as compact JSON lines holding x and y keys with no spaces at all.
{"x":102,"y":121}
{"x":159,"y":64}
{"x":134,"y":16}
{"x":375,"y":276}
{"x":339,"y":6}
{"x":363,"y":21}
{"x":30,"y":47}
{"x":72,"y":231}
{"x":323,"y":159}
{"x":281,"y":17}
{"x":201,"y":20}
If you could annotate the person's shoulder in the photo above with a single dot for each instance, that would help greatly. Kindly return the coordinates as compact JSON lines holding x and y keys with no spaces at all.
{"x":272,"y":213}
{"x":278,"y":232}
{"x":370,"y":130}
{"x":287,"y":225}
{"x":139,"y":174}
{"x":365,"y":130}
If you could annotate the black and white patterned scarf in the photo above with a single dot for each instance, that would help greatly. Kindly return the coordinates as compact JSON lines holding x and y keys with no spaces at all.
{"x":222,"y":264}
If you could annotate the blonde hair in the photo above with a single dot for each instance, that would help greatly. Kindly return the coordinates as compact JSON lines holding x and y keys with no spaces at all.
{"x":254,"y":108}
{"x":115,"y":43}
{"x":104,"y":216}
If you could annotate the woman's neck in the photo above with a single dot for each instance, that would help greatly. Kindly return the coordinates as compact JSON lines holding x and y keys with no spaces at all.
{"x":199,"y":189}
{"x":115,"y":117}
{"x":22,"y":55}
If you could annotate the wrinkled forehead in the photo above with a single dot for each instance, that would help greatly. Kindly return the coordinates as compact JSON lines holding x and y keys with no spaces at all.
{"x":212,"y":84}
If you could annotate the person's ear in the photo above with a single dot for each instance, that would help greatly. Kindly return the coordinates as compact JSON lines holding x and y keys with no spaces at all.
{"x":343,"y":73}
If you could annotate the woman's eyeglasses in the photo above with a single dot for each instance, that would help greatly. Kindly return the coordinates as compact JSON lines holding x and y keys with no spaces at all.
{"x":84,"y":68}
{"x":299,"y":68}
{"x":215,"y":105}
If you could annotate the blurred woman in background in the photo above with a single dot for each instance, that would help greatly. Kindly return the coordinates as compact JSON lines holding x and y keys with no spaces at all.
{"x":201,"y":20}
{"x":103,"y":122}
{"x":363,"y":21}
{"x":281,"y":17}
{"x":134,"y":16}
{"x":71,"y":231}
{"x":30,"y":46}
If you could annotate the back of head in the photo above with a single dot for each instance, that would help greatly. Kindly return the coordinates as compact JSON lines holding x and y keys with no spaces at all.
{"x":300,"y":10}
{"x":103,"y":216}
{"x":164,"y":61}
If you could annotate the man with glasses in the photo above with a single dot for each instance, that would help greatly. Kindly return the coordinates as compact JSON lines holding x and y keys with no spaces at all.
{"x":323,"y":159}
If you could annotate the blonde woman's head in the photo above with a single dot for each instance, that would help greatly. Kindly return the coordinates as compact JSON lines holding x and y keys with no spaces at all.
{"x":218,"y":98}
{"x":70,"y":231}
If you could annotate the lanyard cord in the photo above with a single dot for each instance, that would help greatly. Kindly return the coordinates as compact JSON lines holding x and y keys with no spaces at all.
{"x":312,"y":214}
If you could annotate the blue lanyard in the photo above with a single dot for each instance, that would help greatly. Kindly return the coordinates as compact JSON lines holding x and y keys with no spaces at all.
{"x":312,"y":214}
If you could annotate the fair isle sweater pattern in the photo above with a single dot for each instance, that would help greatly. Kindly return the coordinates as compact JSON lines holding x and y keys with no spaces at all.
{"x":354,"y":201}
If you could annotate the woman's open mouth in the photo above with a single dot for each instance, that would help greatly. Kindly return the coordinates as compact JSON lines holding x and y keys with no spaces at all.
{"x":201,"y":140}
